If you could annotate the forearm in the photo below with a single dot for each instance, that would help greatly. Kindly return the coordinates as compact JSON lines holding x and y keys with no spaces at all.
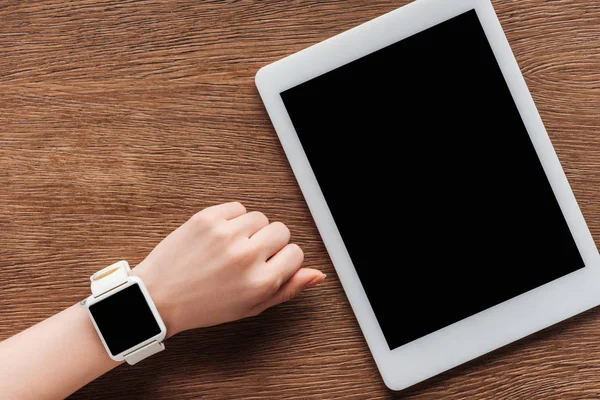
{"x":53,"y":358}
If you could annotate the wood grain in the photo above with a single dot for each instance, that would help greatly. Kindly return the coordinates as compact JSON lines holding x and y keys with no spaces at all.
{"x":120,"y":119}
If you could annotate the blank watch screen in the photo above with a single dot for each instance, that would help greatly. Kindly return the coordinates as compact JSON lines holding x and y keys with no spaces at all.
{"x":125,"y":319}
{"x":432,"y":179}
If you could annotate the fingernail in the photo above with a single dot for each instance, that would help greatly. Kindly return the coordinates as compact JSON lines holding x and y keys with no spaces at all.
{"x":315,"y":281}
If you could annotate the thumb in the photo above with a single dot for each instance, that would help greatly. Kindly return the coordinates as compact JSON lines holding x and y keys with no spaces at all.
{"x":303,"y":278}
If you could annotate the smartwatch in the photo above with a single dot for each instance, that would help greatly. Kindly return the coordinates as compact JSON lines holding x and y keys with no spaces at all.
{"x":124,"y":314}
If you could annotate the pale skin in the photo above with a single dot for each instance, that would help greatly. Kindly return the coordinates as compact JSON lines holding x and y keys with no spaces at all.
{"x":222,"y":265}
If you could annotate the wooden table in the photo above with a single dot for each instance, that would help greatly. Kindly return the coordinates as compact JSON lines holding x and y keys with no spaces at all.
{"x":120,"y":119}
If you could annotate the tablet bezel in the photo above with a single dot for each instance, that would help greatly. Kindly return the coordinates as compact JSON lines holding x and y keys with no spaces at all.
{"x":488,"y":329}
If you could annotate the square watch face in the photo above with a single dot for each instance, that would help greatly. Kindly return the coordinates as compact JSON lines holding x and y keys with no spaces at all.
{"x":125,"y":319}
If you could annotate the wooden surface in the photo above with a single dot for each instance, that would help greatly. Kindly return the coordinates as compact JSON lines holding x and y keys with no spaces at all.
{"x":119,"y":120}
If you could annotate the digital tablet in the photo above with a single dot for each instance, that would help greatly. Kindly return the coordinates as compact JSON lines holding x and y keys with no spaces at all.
{"x":434,"y":185}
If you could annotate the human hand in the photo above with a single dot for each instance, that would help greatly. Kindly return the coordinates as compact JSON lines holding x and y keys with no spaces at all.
{"x":222,"y":265}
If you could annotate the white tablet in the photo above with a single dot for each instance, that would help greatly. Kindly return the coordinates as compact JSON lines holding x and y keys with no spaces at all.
{"x":434,"y":185}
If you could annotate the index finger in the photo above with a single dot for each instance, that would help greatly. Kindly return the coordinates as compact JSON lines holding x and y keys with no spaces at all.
{"x":226,"y":210}
{"x":286,"y":262}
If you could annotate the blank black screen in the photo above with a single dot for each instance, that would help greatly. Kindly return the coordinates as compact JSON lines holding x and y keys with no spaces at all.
{"x":432,"y":179}
{"x":125,"y":319}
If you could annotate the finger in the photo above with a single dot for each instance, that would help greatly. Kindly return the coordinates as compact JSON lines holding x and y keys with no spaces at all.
{"x":226,"y":211}
{"x":303,"y":278}
{"x":250,"y":223}
{"x":286,"y":262}
{"x":270,"y":239}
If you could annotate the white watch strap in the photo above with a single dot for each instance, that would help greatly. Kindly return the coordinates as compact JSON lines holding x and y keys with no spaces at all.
{"x":146,"y":351}
{"x":109,"y":278}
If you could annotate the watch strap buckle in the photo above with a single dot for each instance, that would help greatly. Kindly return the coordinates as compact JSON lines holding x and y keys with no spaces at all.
{"x":109,"y":278}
